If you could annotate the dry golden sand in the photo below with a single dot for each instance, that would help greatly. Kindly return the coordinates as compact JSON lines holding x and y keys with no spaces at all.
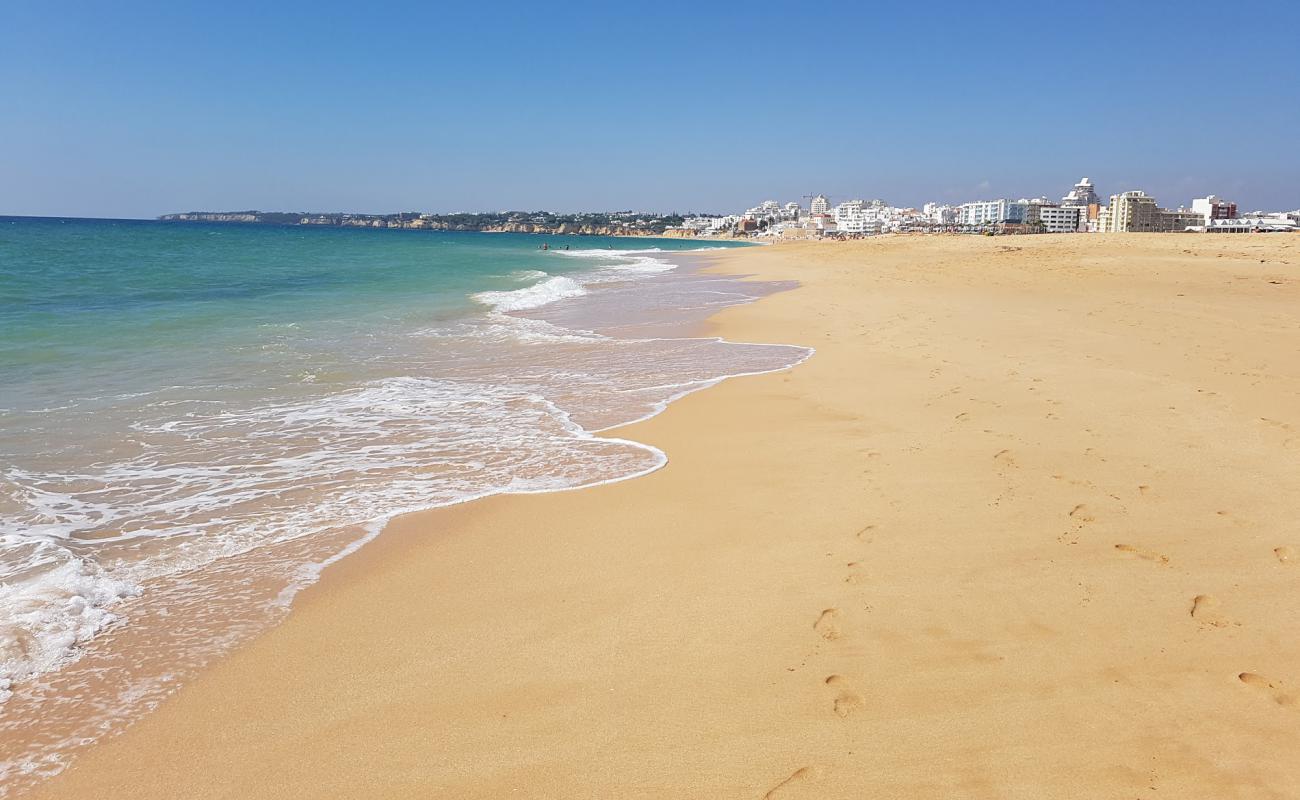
{"x":1025,"y":527}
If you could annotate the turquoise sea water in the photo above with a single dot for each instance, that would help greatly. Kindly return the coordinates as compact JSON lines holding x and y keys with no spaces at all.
{"x":81,"y":301}
{"x":194,"y":419}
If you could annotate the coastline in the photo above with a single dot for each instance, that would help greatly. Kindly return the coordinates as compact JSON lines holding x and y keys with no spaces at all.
{"x":478,"y":377}
{"x":1019,"y":527}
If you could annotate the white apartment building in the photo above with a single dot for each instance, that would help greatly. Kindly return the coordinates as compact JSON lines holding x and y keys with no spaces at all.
{"x":820,"y":205}
{"x":855,"y":222}
{"x":710,"y":225}
{"x":940,"y":214}
{"x":768,"y":210}
{"x":1062,"y":219}
{"x":865,"y":216}
{"x":990,"y":212}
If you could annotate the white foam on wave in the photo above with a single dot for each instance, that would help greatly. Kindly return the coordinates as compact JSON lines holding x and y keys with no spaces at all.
{"x":499,"y":327}
{"x":220,"y":483}
{"x":618,"y":264}
{"x":54,"y":602}
{"x":607,"y":252}
{"x":622,"y":260}
{"x":559,"y":287}
{"x":534,"y":331}
{"x":309,"y":573}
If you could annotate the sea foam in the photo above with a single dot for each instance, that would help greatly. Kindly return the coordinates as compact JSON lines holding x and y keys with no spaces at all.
{"x":559,"y":287}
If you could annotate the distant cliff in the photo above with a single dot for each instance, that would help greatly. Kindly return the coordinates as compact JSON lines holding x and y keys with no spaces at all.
{"x":617,"y":223}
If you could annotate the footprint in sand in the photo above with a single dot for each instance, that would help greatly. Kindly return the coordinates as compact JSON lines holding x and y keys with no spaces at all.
{"x":827,"y":624}
{"x":1205,"y":609}
{"x":1081,"y":514}
{"x":1145,"y":555}
{"x":855,"y":575}
{"x":867,"y":534}
{"x":1285,"y":554}
{"x":780,"y":790}
{"x":846,"y":700}
{"x":1273,"y":688}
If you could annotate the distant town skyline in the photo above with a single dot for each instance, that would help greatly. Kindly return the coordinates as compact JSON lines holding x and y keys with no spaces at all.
{"x":137,"y":110}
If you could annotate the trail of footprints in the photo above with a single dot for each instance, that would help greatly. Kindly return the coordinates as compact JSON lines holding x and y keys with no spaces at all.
{"x":1207,"y":610}
{"x":1204,"y":608}
{"x":845,"y":700}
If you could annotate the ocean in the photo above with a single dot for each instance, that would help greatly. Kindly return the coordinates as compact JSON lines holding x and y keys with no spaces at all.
{"x":195,"y":419}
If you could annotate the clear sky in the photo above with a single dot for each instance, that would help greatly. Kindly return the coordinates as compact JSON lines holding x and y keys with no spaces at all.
{"x":135,"y":109}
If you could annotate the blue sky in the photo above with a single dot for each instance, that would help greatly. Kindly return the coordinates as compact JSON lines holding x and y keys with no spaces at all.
{"x":136,"y":109}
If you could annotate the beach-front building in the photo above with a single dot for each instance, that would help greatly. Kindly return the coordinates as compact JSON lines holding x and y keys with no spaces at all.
{"x":1180,"y":219}
{"x":823,"y":223}
{"x":820,"y":205}
{"x":1211,"y":208}
{"x":1051,"y":218}
{"x":937,"y":214}
{"x":1132,"y":211}
{"x":991,"y":212}
{"x":864,"y":217}
{"x":768,"y":210}
{"x":708,"y":226}
{"x":1265,"y":223}
{"x":851,"y":219}
{"x":1137,"y":212}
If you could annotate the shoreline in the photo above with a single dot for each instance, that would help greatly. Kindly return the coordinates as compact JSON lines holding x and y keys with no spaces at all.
{"x":894,"y":570}
{"x":157,"y":669}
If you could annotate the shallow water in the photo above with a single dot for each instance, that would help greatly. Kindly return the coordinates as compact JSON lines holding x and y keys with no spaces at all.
{"x":196,"y":418}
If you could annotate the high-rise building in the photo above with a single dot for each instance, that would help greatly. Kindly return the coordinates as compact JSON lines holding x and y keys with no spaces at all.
{"x":820,"y":205}
{"x":1136,"y":212}
{"x":1133,"y":211}
{"x":1083,"y":194}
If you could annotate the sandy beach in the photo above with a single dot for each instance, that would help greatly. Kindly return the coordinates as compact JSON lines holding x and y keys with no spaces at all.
{"x":1025,"y":526}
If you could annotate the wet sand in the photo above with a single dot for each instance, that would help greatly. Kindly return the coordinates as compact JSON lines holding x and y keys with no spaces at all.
{"x":1024,"y":527}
